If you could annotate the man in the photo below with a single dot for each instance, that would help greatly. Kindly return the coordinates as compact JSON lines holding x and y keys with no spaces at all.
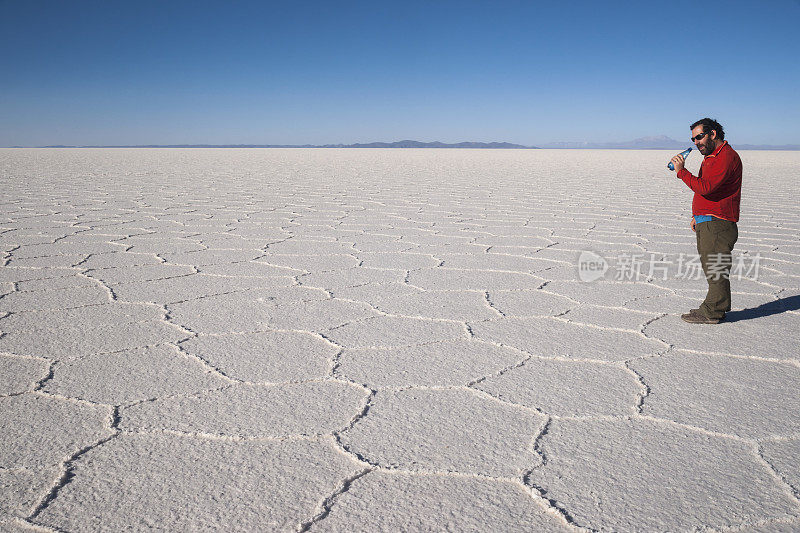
{"x":715,"y":212}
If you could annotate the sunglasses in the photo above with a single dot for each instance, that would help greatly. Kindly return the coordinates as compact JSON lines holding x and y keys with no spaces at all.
{"x":697,"y":138}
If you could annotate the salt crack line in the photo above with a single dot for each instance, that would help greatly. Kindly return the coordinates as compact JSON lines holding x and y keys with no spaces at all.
{"x":488,"y":300}
{"x":790,"y":362}
{"x":69,"y":399}
{"x":790,"y":489}
{"x":221,"y":437}
{"x":673,"y":423}
{"x":539,"y":492}
{"x":68,"y":473}
{"x":25,"y":524}
{"x":644,"y":391}
{"x":329,"y":501}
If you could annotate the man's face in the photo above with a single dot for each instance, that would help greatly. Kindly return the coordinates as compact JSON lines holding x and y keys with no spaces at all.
{"x":705,"y":144}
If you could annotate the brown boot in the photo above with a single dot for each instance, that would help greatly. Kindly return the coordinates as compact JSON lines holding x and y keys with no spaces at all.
{"x":694,"y":317}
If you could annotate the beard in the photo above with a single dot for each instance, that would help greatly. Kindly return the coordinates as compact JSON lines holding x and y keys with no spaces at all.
{"x":706,"y":147}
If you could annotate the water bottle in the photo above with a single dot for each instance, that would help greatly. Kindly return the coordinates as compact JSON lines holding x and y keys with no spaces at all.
{"x":684,"y":154}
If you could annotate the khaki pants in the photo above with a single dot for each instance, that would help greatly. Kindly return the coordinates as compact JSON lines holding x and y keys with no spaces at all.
{"x":715,"y":240}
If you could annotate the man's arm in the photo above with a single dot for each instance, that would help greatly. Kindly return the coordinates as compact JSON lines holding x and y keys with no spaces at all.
{"x":714,"y":171}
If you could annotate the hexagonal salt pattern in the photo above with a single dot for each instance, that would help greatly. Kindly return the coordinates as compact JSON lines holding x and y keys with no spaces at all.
{"x":745,"y":397}
{"x":551,"y":337}
{"x":403,"y":502}
{"x":782,"y":454}
{"x":567,"y":388}
{"x":176,"y":483}
{"x":458,"y":362}
{"x":370,"y":340}
{"x":22,"y":489}
{"x":451,"y":430}
{"x":40,"y":431}
{"x":20,"y":374}
{"x":621,"y":475}
{"x":246,"y":410}
{"x":130,"y":375}
{"x":389,"y":331}
{"x":267,"y":356}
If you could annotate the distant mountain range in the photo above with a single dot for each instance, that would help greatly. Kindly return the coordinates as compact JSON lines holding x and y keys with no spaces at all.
{"x":659,"y":142}
{"x":434,"y":144}
{"x":397,"y":144}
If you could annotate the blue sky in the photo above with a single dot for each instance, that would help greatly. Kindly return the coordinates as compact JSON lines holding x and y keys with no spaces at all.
{"x":153,"y":72}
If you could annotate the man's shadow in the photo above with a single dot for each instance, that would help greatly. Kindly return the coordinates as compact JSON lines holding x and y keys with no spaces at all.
{"x":792,"y":303}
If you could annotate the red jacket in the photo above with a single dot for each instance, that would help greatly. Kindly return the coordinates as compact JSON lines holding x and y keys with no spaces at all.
{"x":718,"y":187}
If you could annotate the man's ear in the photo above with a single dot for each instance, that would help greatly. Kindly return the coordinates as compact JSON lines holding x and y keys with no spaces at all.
{"x":712,"y":134}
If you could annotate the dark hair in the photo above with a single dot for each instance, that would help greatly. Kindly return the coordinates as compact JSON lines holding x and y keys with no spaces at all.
{"x":710,"y":124}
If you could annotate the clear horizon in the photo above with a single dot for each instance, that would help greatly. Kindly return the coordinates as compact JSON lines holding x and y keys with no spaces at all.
{"x":554,"y":145}
{"x":114,"y":73}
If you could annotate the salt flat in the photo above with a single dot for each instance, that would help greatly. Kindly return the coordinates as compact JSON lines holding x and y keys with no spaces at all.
{"x":364,"y":340}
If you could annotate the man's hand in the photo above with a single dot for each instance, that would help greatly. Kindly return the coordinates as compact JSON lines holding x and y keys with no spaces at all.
{"x":693,"y":225}
{"x":678,"y":162}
